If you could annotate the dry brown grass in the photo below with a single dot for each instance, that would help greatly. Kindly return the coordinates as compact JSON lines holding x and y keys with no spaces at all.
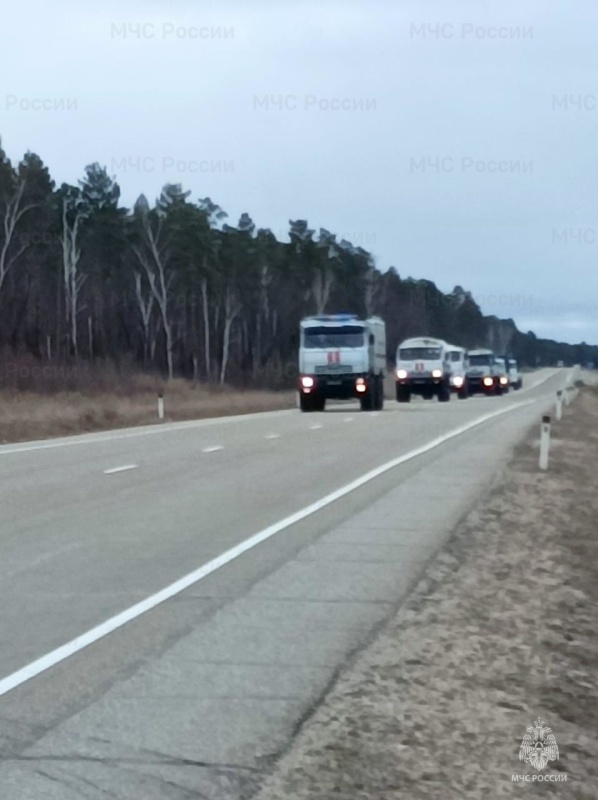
{"x":500,"y":630}
{"x":42,"y":402}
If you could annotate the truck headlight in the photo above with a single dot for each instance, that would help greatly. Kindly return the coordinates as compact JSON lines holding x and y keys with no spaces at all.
{"x":487,"y":381}
{"x":437,"y":373}
{"x":504,"y":380}
{"x":401,"y":374}
{"x":458,"y":381}
{"x":307,"y":382}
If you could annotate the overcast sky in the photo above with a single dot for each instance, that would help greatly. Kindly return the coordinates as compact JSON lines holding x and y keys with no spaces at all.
{"x":454,"y":140}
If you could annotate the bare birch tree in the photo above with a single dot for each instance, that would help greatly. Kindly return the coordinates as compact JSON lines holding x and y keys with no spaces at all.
{"x":13,"y":211}
{"x":145,"y":305}
{"x":74,"y":211}
{"x":153,"y":255}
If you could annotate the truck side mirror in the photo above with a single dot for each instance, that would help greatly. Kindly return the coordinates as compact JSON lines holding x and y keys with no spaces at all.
{"x":372,"y":339}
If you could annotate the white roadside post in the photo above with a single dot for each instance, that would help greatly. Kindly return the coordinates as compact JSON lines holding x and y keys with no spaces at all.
{"x":559,"y":405}
{"x":160,"y":406}
{"x":544,"y":441}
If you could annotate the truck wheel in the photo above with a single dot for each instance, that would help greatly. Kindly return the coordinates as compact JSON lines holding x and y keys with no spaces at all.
{"x":320,"y":404}
{"x":444,"y":393}
{"x":306,"y":402}
{"x":380,"y":404}
{"x":463,"y":392}
{"x":367,"y":402}
{"x":403,"y":394}
{"x":378,"y":399}
{"x":519,"y":384}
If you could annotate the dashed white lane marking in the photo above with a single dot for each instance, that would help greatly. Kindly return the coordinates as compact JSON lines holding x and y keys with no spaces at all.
{"x":213,"y":449}
{"x":114,"y":623}
{"x":315,"y":427}
{"x":124,"y":468}
{"x":348,"y":419}
{"x":272,"y":436}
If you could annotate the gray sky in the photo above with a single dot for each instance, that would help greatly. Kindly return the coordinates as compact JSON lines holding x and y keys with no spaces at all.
{"x":460,"y":151}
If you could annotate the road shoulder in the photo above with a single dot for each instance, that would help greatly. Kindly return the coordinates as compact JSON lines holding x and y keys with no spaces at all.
{"x":498,"y":633}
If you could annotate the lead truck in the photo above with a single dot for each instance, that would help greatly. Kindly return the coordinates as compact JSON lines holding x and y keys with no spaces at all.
{"x":340,"y":357}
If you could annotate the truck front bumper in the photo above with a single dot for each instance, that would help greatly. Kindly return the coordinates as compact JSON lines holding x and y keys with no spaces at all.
{"x":336,"y":387}
{"x":482,"y":383}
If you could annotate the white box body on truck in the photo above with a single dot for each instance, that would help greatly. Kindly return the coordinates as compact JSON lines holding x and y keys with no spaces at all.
{"x":484,"y":372}
{"x":514,"y":374}
{"x":423,"y":368}
{"x":459,"y":361}
{"x":341,"y":357}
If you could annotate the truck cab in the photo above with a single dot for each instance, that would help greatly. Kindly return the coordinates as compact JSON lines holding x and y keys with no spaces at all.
{"x":423,"y":368}
{"x":341,"y":357}
{"x":459,"y":362}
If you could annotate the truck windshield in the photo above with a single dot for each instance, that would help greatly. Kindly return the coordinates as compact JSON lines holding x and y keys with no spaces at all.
{"x":479,"y":361}
{"x":326,"y":337}
{"x":419,"y":354}
{"x":456,"y":355}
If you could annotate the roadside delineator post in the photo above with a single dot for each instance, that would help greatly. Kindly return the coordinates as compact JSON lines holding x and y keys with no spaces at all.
{"x":160,"y":406}
{"x":544,"y":441}
{"x":559,"y":405}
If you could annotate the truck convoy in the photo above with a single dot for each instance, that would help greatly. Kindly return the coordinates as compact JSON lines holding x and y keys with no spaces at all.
{"x":423,"y":368}
{"x":340,"y":357}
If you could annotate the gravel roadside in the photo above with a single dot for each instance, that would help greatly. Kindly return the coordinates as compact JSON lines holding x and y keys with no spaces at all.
{"x":500,"y":631}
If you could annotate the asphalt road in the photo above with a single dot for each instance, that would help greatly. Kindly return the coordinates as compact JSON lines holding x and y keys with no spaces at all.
{"x":199,"y":693}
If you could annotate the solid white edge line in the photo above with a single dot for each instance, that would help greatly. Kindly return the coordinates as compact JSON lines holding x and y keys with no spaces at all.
{"x":132,"y":433}
{"x":114,"y":470}
{"x":100,"y":631}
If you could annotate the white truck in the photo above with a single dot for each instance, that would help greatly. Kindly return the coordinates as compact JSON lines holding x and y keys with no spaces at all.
{"x":514,"y":375}
{"x":484,"y":372}
{"x":503,"y":374}
{"x":459,"y":362}
{"x":340,"y":357}
{"x":423,"y":368}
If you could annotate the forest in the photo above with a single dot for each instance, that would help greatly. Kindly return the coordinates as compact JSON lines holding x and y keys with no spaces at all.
{"x":171,"y":287}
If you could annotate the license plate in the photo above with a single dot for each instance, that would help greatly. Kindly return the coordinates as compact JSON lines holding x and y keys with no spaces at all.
{"x":330,"y":368}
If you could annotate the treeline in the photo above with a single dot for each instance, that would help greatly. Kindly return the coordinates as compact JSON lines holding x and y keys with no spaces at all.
{"x":171,"y":286}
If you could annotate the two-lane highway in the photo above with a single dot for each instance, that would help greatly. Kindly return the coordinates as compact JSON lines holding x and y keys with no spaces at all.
{"x":99,"y":525}
{"x":80,"y":545}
